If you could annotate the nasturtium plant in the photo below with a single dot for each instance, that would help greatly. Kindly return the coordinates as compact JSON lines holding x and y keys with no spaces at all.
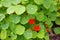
{"x":29,"y":19}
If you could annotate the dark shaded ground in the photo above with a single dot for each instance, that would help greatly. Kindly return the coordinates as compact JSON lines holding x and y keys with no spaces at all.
{"x":53,"y":36}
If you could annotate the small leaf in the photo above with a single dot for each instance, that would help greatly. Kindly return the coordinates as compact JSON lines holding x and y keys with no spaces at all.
{"x":34,"y":34}
{"x":2,"y":16}
{"x":47,"y":3}
{"x":39,"y":2}
{"x":47,"y":36}
{"x":41,"y":34}
{"x":3,"y":34}
{"x":19,"y":9}
{"x":57,"y":30}
{"x":13,"y":36}
{"x":19,"y":29}
{"x":31,"y":9}
{"x":28,"y":34}
{"x":10,"y":9}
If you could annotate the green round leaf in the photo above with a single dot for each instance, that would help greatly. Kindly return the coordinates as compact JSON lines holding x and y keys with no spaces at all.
{"x":19,"y":9}
{"x":19,"y":29}
{"x":10,"y":9}
{"x":28,"y":34}
{"x":39,"y":16}
{"x":41,"y":34}
{"x":13,"y":36}
{"x":31,"y":9}
{"x":47,"y":3}
{"x":14,"y":18}
{"x":24,"y":19}
{"x":57,"y":30}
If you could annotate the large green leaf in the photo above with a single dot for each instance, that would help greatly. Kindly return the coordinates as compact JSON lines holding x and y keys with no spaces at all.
{"x":28,"y":34}
{"x":31,"y":9}
{"x":57,"y":30}
{"x":14,"y":18}
{"x":10,"y":9}
{"x":3,"y":34}
{"x":2,"y":16}
{"x":19,"y":9}
{"x":41,"y":34}
{"x":19,"y":29}
{"x":39,"y":2}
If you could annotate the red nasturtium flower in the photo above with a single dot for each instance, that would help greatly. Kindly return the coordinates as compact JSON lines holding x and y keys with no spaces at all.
{"x":31,"y":21}
{"x":37,"y":27}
